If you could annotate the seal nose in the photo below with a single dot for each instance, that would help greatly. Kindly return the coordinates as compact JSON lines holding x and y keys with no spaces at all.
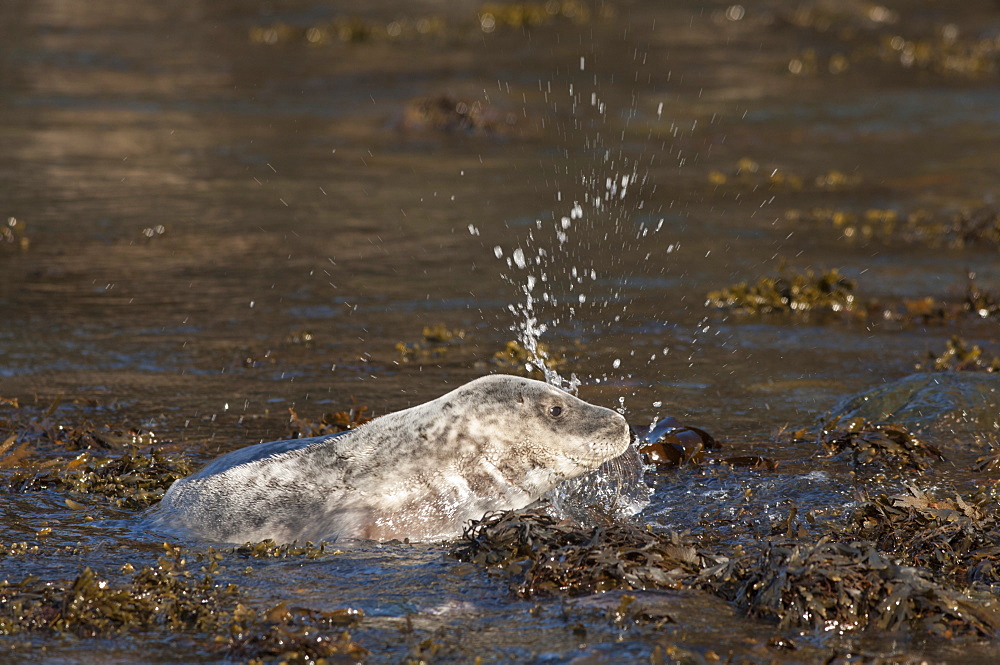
{"x":626,"y":434}
{"x":620,"y":432}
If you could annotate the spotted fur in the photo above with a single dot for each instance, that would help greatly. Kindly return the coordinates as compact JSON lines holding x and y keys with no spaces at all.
{"x":421,"y":473}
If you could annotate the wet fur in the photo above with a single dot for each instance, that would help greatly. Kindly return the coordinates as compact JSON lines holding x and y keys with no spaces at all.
{"x":421,"y":473}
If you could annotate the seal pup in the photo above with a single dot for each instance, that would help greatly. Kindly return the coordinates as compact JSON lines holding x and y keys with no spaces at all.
{"x":497,"y":443}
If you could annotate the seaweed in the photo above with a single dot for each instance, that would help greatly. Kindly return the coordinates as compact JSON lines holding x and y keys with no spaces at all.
{"x":882,"y":447}
{"x":436,"y":342}
{"x":165,"y":595}
{"x":170,"y":597}
{"x":545,"y":556}
{"x":955,"y":537}
{"x":870,"y":35}
{"x":795,"y":292}
{"x":353,"y":30}
{"x":831,"y":292}
{"x":14,"y":234}
{"x":984,"y":304}
{"x":127,"y":466}
{"x":516,"y":358}
{"x":268,"y":549}
{"x":491,"y":16}
{"x":748,"y":174}
{"x":967,"y":226}
{"x":959,"y":356}
{"x":329,"y":423}
{"x":522,"y":15}
{"x":851,"y":585}
{"x":299,"y":636}
{"x":900,"y":562}
{"x":977,"y":302}
{"x":134,"y":479}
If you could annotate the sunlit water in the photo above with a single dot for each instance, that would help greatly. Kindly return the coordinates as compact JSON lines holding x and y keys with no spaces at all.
{"x":196,"y":202}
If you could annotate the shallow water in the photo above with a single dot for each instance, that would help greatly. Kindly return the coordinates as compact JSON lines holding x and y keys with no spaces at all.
{"x":197,"y":201}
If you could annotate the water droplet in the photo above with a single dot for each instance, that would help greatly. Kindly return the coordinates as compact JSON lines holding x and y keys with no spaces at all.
{"x":518,"y":257}
{"x":617,"y":363}
{"x":498,"y":251}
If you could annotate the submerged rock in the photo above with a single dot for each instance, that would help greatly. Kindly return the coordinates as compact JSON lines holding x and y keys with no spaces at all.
{"x":942,"y":401}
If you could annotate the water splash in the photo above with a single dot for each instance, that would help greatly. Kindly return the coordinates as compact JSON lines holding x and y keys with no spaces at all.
{"x":556,"y":270}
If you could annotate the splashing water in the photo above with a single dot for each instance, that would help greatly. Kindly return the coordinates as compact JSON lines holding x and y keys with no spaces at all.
{"x":556,"y":275}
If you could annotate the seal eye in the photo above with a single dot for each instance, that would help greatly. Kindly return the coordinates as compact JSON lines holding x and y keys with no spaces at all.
{"x":555,"y":411}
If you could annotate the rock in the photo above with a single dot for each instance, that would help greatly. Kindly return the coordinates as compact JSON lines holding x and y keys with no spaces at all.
{"x":957,"y":402}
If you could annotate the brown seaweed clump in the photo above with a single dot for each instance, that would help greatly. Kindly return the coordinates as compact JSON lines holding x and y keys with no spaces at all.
{"x":168,"y":596}
{"x":128,"y":468}
{"x":12,"y":234}
{"x":984,"y":304}
{"x":545,"y":556}
{"x":902,"y":563}
{"x":870,"y":35}
{"x":165,"y":595}
{"x":435,"y":343}
{"x":977,"y":302}
{"x":748,"y":174}
{"x":955,"y":537}
{"x":516,"y":358}
{"x":330,"y":423}
{"x":965,"y":227}
{"x":491,"y":16}
{"x":522,"y":15}
{"x":881,"y":447}
{"x":796,"y":292}
{"x":134,"y":479}
{"x":350,"y":30}
{"x":47,"y":432}
{"x":960,"y":356}
{"x":298,"y":636}
{"x":269,"y":549}
{"x":850,"y":585}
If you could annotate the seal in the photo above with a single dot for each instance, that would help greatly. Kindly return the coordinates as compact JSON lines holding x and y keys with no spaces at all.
{"x":497,"y":443}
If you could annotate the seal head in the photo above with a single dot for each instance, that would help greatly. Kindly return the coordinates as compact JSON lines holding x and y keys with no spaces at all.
{"x":497,"y":443}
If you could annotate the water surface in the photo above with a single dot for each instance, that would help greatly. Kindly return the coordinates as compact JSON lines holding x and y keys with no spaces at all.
{"x":199,"y":201}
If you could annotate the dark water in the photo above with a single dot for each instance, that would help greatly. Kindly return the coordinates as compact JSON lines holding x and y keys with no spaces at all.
{"x":197,"y":200}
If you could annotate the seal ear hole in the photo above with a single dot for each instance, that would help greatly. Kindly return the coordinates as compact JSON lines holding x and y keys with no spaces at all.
{"x":555,"y":411}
